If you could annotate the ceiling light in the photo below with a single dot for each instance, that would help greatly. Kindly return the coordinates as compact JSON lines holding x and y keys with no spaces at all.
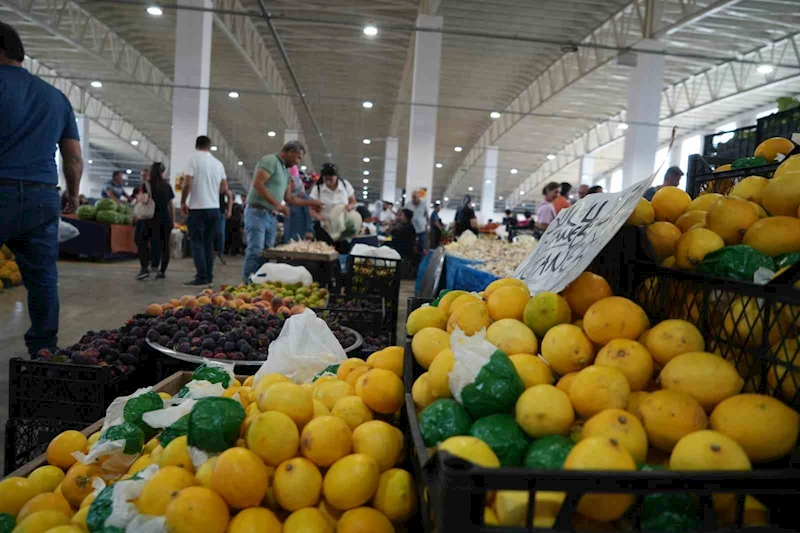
{"x":472,"y":204}
{"x":240,"y":163}
{"x":457,"y":148}
{"x":585,"y":176}
{"x":233,"y":94}
{"x":91,"y":161}
{"x":371,"y":31}
{"x":155,"y":11}
{"x":367,"y":105}
{"x":438,"y":202}
{"x":522,"y":193}
{"x":365,"y":180}
{"x":128,"y":171}
{"x":270,"y":134}
{"x":366,"y":160}
{"x":366,"y":187}
{"x":446,"y":199}
{"x":499,"y":197}
{"x":514,"y":170}
{"x":366,"y":141}
{"x":488,"y":181}
{"x":622,"y":126}
{"x":96,"y":84}
{"x":439,"y":165}
{"x":366,"y":172}
{"x":494,"y":114}
{"x":550,"y":157}
{"x":404,"y":196}
{"x":469,"y":188}
{"x":214,"y":148}
{"x":765,"y":69}
{"x":135,"y":142}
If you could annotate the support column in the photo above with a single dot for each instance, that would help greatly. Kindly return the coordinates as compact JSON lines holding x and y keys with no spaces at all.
{"x":587,"y":170}
{"x":489,"y":184}
{"x":644,"y":105}
{"x":675,"y":155}
{"x":192,"y":67}
{"x":83,"y":131}
{"x":390,"y":170}
{"x":424,"y":91}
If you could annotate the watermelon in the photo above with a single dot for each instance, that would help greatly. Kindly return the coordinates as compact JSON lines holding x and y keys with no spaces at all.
{"x":106,"y":204}
{"x":86,"y":212}
{"x":107,"y":217}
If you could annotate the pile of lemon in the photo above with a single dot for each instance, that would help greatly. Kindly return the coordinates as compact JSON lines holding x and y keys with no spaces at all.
{"x":319,"y":457}
{"x":595,"y":369}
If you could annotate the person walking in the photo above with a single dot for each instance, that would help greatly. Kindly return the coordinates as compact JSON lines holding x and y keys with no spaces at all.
{"x":203,"y":181}
{"x":225,"y":212}
{"x":298,"y":225}
{"x":153,"y":244}
{"x":271,"y":184}
{"x":419,"y":220}
{"x":436,"y":226}
{"x":34,"y":118}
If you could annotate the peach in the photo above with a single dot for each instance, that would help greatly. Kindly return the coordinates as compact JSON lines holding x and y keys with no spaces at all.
{"x":154,"y":309}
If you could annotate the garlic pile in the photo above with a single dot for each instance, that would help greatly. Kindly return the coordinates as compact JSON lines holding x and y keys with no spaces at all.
{"x":499,"y":258}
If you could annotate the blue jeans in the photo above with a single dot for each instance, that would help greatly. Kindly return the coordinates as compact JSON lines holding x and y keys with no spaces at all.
{"x":261,"y":227}
{"x":421,"y":243}
{"x":29,"y":227}
{"x":202,"y":225}
{"x":220,"y":243}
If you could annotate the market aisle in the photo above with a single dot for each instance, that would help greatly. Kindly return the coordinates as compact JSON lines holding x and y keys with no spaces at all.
{"x":95,"y":296}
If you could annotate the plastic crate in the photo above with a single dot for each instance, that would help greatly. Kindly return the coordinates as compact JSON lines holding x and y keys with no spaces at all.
{"x":27,"y":438}
{"x":783,"y":124}
{"x":366,"y":315}
{"x":742,"y":143}
{"x":378,"y":277}
{"x":64,"y":391}
{"x":702,"y":179}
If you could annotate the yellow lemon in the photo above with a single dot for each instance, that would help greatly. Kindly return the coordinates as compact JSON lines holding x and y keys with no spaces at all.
{"x":461,"y":301}
{"x":267,"y":381}
{"x":439,"y":374}
{"x":427,"y":344}
{"x":348,"y":366}
{"x":140,"y":464}
{"x":421,"y":392}
{"x":307,"y":520}
{"x":177,"y":454}
{"x":297,"y":484}
{"x":41,"y":522}
{"x":630,"y":358}
{"x":255,"y":520}
{"x":197,"y":510}
{"x":730,"y":218}
{"x":65,"y":529}
{"x":704,"y":202}
{"x":449,"y":298}
{"x":508,"y":302}
{"x":669,"y":203}
{"x":203,"y":474}
{"x":614,"y":318}
{"x":290,"y":399}
{"x":396,"y":496}
{"x":544,"y":410}
{"x":381,"y":390}
{"x":511,"y":336}
{"x":671,"y":338}
{"x":321,"y":410}
{"x":94,"y":437}
{"x":425,"y":317}
{"x":390,"y":358}
{"x":634,"y":401}
{"x":501,"y":283}
{"x":706,"y":377}
{"x":161,"y":488}
{"x":61,"y":448}
{"x":687,"y":221}
{"x":663,"y":237}
{"x":332,"y":391}
{"x":240,"y":477}
{"x":565,"y":382}
{"x":531,"y":369}
{"x":351,"y":481}
{"x":379,"y":440}
{"x":566,"y":348}
{"x":471,"y":449}
{"x":597,"y":388}
{"x":46,"y":478}
{"x":364,"y":520}
{"x":77,"y":483}
{"x":470,"y":318}
{"x":668,"y":416}
{"x":622,"y":426}
{"x":357,"y":372}
{"x":353,"y":411}
{"x":79,"y":519}
{"x":325,"y":440}
{"x":47,"y":501}
{"x":584,"y":291}
{"x":694,"y":245}
{"x":643,"y":214}
{"x":546,"y":310}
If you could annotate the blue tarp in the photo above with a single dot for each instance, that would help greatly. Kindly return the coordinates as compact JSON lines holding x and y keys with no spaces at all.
{"x":458,"y":274}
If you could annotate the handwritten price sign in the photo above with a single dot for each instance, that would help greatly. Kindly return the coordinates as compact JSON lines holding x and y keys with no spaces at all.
{"x":576,"y":236}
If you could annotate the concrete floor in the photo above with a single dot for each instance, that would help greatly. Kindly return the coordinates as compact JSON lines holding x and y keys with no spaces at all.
{"x":103,"y":296}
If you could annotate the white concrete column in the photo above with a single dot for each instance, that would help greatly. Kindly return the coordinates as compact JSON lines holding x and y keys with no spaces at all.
{"x":86,"y":152}
{"x":489,"y":185}
{"x":644,"y":104}
{"x":192,"y":67}
{"x":390,"y":169}
{"x":675,"y":155}
{"x":290,"y":135}
{"x":425,"y":90}
{"x":586,"y":170}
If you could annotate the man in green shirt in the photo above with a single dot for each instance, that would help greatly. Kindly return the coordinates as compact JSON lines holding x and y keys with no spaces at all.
{"x":271,"y":184}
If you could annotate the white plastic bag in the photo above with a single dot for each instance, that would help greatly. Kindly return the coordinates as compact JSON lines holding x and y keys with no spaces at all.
{"x":176,"y":243}
{"x":283,"y":273}
{"x":470,"y":354}
{"x":66,"y":231}
{"x":305,"y":347}
{"x":384,"y":252}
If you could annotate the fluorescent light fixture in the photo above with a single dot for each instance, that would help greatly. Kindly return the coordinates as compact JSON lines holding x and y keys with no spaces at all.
{"x":214,"y":148}
{"x":366,"y":187}
{"x":367,"y":105}
{"x":128,"y":171}
{"x":550,"y":157}
{"x":488,"y":181}
{"x":155,"y":11}
{"x":622,"y":126}
{"x":522,"y":193}
{"x":240,"y":163}
{"x":585,"y":176}
{"x":439,"y":165}
{"x":271,"y":134}
{"x":370,"y":31}
{"x":438,"y":202}
{"x":135,"y":142}
{"x":499,"y":197}
{"x":469,"y":189}
{"x":514,"y":170}
{"x":472,"y":204}
{"x":96,"y":84}
{"x":366,"y":160}
{"x":765,"y":69}
{"x":366,"y":172}
{"x":457,"y":148}
{"x":91,"y":161}
{"x":365,"y":180}
{"x":446,"y":199}
{"x":494,"y":114}
{"x":233,"y":94}
{"x":366,"y":141}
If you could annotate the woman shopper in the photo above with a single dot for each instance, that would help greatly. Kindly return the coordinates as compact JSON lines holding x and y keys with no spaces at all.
{"x":337,"y":194}
{"x":154,"y":233}
{"x":545,"y":211}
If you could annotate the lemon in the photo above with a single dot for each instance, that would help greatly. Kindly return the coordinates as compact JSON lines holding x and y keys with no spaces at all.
{"x":448,"y":299}
{"x":87,"y":500}
{"x":439,"y":374}
{"x":546,"y":310}
{"x":614,"y":318}
{"x":364,"y":520}
{"x":381,"y":390}
{"x":94,"y":437}
{"x":325,"y":440}
{"x":203,"y":474}
{"x":565,"y":382}
{"x":671,"y":338}
{"x":320,"y":409}
{"x":471,"y":449}
{"x":508,"y":302}
{"x":351,"y":481}
{"x":46,"y":478}
{"x":140,"y":464}
{"x":421,"y":392}
{"x":297,"y":484}
{"x":240,"y":477}
{"x":544,"y":410}
{"x":289,"y":399}
{"x":65,"y":529}
{"x":267,"y":381}
{"x":597,"y":388}
{"x":511,"y":336}
{"x":634,"y":401}
{"x":668,"y":416}
{"x":348,"y":366}
{"x":390,"y":358}
{"x":47,"y":501}
{"x":320,"y":381}
{"x":255,"y":520}
{"x":353,"y":411}
{"x":79,"y":519}
{"x":706,"y":377}
{"x":177,"y":454}
{"x":427,"y":344}
{"x":77,"y":483}
{"x":619,"y":425}
{"x":379,"y":440}
{"x":41,"y":522}
{"x":396,"y":496}
{"x":566,"y":348}
{"x":61,"y":448}
{"x":160,"y":489}
{"x":643,"y":214}
{"x":470,"y":318}
{"x":425,"y":317}
{"x":461,"y":301}
{"x":197,"y":510}
{"x":308,"y":520}
{"x":669,"y":203}
{"x":357,"y":372}
{"x":331,"y":392}
{"x":630,"y":358}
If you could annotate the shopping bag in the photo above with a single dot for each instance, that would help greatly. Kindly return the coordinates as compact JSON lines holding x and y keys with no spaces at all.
{"x":283,"y":273}
{"x":305,"y":346}
{"x":66,"y":231}
{"x":383,"y":252}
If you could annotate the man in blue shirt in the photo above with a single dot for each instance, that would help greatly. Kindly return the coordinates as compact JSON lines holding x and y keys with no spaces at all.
{"x":113,"y":188}
{"x":35,"y":117}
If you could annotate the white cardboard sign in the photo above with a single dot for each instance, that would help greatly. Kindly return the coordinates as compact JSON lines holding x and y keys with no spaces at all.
{"x":576,"y":236}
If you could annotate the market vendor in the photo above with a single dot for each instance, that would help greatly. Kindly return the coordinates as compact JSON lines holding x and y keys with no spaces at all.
{"x":339,"y":199}
{"x":465,"y":217}
{"x":298,"y":225}
{"x":114,"y":188}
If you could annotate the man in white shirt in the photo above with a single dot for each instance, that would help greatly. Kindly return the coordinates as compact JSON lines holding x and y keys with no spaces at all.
{"x":203,"y":181}
{"x":420,"y":220}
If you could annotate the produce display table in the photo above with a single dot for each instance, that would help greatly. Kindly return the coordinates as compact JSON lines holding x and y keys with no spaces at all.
{"x":324,"y":268}
{"x":98,"y":241}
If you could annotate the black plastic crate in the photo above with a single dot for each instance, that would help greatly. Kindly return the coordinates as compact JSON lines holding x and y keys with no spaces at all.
{"x":363,"y":313}
{"x":702,"y":179}
{"x":378,"y":277}
{"x":742,"y":143}
{"x":783,"y":124}
{"x":65,"y":391}
{"x":27,"y":438}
